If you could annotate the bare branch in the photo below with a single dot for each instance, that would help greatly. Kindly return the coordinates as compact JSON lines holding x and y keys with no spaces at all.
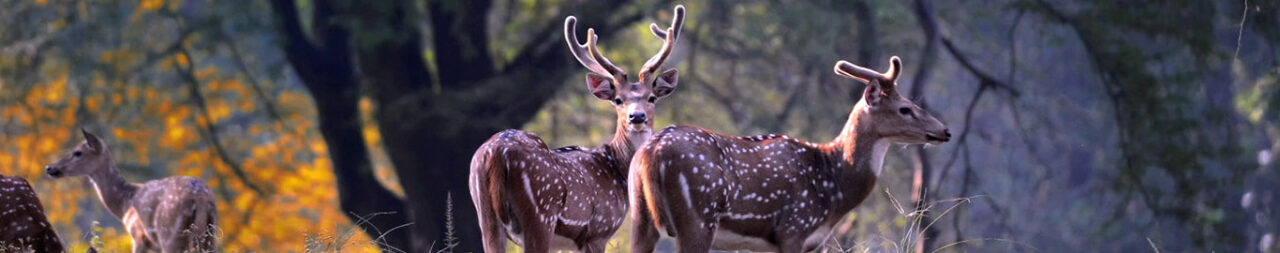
{"x":208,"y":130}
{"x":253,"y":82}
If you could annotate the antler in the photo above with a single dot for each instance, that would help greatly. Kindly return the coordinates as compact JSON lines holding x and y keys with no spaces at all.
{"x":865,"y":75}
{"x":587,"y":54}
{"x":668,"y":37}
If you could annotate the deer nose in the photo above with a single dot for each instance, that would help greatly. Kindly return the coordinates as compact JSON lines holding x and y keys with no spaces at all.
{"x":636,"y":118}
{"x":947,"y":132}
{"x":52,"y":172}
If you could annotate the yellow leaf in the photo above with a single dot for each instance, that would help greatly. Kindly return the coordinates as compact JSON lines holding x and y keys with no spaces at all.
{"x":319,"y":147}
{"x":181,"y":59}
{"x":55,"y":90}
{"x":149,"y":5}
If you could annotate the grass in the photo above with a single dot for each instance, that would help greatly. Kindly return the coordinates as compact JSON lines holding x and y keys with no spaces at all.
{"x":912,"y":236}
{"x":341,"y":241}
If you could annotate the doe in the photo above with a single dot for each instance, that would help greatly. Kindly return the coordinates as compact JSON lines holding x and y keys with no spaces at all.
{"x":174,"y":214}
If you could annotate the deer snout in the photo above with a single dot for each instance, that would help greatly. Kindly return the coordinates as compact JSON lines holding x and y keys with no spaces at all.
{"x":637,"y":118}
{"x":944,"y":137}
{"x":53,"y":171}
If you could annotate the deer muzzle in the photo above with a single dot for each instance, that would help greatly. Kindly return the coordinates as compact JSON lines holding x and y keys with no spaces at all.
{"x":637,"y":118}
{"x":944,"y":137}
{"x":54,"y":172}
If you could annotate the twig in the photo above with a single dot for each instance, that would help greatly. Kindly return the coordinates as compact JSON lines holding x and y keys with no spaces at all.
{"x":1244,"y":15}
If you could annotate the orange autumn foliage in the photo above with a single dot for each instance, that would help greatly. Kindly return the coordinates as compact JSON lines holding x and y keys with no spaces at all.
{"x":155,"y":131}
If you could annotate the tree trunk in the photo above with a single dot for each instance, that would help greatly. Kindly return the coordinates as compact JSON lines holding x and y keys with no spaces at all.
{"x":430,"y":130}
{"x":330,"y":77}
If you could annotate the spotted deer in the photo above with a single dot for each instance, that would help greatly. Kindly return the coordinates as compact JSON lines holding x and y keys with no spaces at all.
{"x":23,"y":226}
{"x":174,"y":214}
{"x":772,"y":192}
{"x":571,"y":198}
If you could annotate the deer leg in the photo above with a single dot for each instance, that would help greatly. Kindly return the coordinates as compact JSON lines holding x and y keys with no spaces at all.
{"x":139,"y":238}
{"x":537,"y":233}
{"x":596,"y":246}
{"x":643,"y":233}
{"x":791,"y":245}
{"x":537,"y":238}
{"x":139,"y":245}
{"x":644,"y":236}
{"x":493,"y":234}
{"x":697,"y":239}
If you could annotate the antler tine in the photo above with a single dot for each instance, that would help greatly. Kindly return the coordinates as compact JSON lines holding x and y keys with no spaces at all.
{"x":895,"y":66}
{"x":584,"y":53}
{"x":613,"y":70}
{"x":668,"y":37}
{"x":865,"y":75}
{"x":856,"y":72}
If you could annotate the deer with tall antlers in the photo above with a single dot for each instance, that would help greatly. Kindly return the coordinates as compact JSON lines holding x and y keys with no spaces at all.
{"x":23,"y":226}
{"x":174,"y":214}
{"x":772,"y":192}
{"x":571,"y":198}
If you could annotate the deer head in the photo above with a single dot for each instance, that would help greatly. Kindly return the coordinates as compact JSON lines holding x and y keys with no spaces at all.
{"x":888,"y":115}
{"x":632,"y":101}
{"x":87,"y":158}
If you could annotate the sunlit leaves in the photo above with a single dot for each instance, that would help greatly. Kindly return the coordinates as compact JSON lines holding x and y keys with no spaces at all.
{"x":115,"y":76}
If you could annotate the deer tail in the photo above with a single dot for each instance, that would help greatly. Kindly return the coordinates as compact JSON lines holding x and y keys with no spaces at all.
{"x":487,"y":177}
{"x":646,"y":187}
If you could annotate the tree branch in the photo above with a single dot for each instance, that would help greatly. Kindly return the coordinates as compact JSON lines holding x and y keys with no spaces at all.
{"x":985,"y":78}
{"x":253,"y":82}
{"x":208,"y":130}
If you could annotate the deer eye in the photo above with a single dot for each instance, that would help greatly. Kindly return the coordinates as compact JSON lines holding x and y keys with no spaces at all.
{"x":617,"y":101}
{"x":77,"y":153}
{"x":653,"y":99}
{"x":904,"y":111}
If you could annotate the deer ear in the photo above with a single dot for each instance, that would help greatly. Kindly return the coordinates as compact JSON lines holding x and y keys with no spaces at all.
{"x":666,"y":83}
{"x":93,"y":141}
{"x":600,"y":86}
{"x":873,"y":93}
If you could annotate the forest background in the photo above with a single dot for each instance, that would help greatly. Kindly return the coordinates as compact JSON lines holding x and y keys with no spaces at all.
{"x":334,"y":124}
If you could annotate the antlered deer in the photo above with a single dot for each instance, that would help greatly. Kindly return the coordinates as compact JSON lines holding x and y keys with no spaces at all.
{"x":772,"y":192}
{"x":570,"y":198}
{"x":23,"y":226}
{"x":174,"y":214}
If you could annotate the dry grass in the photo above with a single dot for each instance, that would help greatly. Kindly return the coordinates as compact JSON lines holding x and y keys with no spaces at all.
{"x":912,"y":235}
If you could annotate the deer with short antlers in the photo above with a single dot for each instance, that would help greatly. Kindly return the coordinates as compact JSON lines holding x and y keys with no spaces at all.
{"x":174,"y":214}
{"x":23,"y":226}
{"x":571,"y":198}
{"x":772,"y":192}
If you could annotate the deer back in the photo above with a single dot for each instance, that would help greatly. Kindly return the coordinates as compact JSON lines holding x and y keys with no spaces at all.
{"x":23,"y":225}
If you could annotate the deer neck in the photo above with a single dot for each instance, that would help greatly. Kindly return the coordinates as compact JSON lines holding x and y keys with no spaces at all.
{"x":858,"y":148}
{"x":622,"y":146}
{"x":113,"y":190}
{"x":858,"y":157}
